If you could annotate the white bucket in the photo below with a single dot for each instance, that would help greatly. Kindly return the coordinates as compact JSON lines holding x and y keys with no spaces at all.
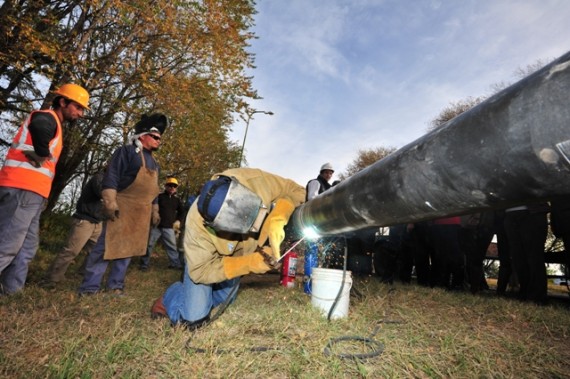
{"x":325,"y":286}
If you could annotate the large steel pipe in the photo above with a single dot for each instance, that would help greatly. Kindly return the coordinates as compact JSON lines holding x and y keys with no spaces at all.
{"x":511,"y":149}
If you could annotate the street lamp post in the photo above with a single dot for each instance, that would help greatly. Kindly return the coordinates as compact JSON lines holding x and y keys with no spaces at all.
{"x":249,"y":117}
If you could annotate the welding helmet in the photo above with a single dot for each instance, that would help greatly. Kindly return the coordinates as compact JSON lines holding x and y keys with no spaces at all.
{"x":75,"y":93}
{"x":156,"y":122}
{"x":227,"y":205}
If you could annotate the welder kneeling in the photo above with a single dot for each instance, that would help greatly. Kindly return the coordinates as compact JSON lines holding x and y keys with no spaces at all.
{"x":237,"y":212}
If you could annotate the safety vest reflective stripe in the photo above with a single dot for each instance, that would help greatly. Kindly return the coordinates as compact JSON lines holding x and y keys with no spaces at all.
{"x":29,"y":166}
{"x":22,"y":146}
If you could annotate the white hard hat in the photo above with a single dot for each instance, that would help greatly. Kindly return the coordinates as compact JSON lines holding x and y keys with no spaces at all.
{"x":327,"y":166}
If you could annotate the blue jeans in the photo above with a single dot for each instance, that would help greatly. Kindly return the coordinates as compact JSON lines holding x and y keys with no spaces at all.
{"x":19,"y":235}
{"x":169,"y":239}
{"x":95,"y":267}
{"x":189,"y":301}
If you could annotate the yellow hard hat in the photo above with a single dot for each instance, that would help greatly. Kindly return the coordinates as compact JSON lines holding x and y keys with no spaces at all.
{"x":172,"y":181}
{"x":75,"y":93}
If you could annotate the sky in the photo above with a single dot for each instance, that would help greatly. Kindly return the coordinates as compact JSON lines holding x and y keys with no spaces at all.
{"x":346,"y":75}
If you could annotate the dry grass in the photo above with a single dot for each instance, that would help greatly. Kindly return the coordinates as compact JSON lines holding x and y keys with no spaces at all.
{"x":274,"y":332}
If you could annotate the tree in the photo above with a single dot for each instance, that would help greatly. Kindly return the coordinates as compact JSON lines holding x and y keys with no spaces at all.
{"x":365,"y":158}
{"x":454,"y":109}
{"x":184,"y":58}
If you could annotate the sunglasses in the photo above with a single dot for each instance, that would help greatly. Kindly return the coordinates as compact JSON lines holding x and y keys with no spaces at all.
{"x":156,"y":138}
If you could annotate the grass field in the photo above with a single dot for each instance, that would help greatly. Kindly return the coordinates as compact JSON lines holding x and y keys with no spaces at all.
{"x":274,"y":332}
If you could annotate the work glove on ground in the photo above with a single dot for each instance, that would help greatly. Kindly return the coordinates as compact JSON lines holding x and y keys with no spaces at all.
{"x":247,"y":264}
{"x":274,"y":223}
{"x":155,"y":218}
{"x":35,"y":159}
{"x":110,"y":205}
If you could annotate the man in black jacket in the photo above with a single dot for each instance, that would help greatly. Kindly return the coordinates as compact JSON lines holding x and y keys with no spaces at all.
{"x":85,"y":230}
{"x":321,"y":183}
{"x":171,"y":211}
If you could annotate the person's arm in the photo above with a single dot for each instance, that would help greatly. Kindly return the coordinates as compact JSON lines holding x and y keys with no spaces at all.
{"x":203,"y":262}
{"x":286,"y":196}
{"x":213,"y":259}
{"x":43,"y":127}
{"x":313,"y":189}
{"x":116,"y":169}
{"x":96,"y":184}
{"x":110,"y":183}
{"x":179,"y":210}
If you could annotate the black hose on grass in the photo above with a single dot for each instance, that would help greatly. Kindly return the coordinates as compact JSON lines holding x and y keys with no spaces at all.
{"x":376,"y":348}
{"x":339,"y":294}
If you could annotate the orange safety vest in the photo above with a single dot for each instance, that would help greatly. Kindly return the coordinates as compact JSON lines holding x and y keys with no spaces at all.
{"x":18,"y":172}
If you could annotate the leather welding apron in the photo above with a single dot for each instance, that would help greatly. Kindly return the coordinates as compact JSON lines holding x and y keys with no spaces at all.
{"x":127,"y":236}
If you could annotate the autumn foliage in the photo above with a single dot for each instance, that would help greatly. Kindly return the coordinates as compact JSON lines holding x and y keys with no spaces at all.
{"x":185,"y":58}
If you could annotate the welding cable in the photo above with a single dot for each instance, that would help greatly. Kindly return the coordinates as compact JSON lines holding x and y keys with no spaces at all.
{"x":339,"y":294}
{"x":217,"y":350}
{"x":375,"y":348}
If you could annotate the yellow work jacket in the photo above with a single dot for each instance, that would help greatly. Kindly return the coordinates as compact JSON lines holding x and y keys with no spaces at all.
{"x":204,"y":248}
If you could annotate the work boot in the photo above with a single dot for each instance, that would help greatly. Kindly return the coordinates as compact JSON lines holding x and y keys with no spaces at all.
{"x":158,"y":310}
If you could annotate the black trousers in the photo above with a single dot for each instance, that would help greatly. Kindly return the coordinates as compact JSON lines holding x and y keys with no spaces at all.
{"x":526,"y":233}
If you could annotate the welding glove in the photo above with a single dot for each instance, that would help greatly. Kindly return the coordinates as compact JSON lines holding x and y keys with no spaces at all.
{"x":274,"y":223}
{"x":247,"y":264}
{"x":176,"y":228}
{"x":35,"y":159}
{"x":110,"y":205}
{"x":155,"y":219}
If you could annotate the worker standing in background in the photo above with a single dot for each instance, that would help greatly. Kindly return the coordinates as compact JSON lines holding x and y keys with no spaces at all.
{"x":130,"y":189}
{"x":226,"y":230}
{"x":321,"y":183}
{"x":171,"y":211}
{"x":85,"y":230}
{"x":311,"y":257}
{"x":26,"y":179}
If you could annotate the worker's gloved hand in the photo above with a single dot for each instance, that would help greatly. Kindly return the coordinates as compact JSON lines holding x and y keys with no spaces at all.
{"x":35,"y":159}
{"x":273,"y":226}
{"x":176,"y":228}
{"x":267,"y":254}
{"x":247,"y":264}
{"x":110,"y":206}
{"x":155,"y":219}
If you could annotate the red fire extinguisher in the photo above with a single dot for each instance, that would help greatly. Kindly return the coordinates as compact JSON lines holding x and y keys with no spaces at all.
{"x":289,"y":270}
